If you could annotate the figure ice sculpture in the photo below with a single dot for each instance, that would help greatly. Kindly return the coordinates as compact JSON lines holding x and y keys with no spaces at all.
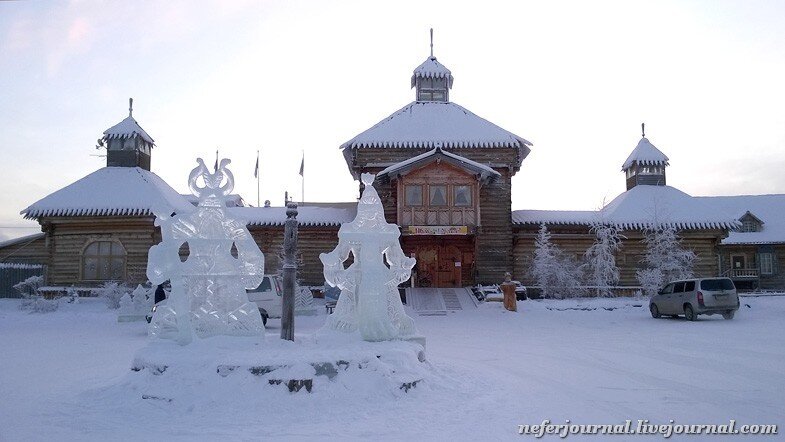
{"x":208,"y":294}
{"x":369,"y":298}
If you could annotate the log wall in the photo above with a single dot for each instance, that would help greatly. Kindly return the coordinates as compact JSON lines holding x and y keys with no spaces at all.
{"x":28,"y":252}
{"x":68,"y":236}
{"x":773,"y":281}
{"x":575,"y":240}
{"x":311,"y":241}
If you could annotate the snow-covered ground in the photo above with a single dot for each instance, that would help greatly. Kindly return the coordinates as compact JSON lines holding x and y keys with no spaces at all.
{"x":63,"y":376}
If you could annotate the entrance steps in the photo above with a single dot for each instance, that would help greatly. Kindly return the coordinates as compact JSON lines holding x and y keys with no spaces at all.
{"x":428,"y":301}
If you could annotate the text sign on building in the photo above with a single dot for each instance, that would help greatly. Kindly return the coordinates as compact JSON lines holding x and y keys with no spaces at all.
{"x":438,"y":230}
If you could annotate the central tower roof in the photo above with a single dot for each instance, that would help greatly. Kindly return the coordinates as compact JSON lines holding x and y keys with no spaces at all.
{"x":432,"y":79}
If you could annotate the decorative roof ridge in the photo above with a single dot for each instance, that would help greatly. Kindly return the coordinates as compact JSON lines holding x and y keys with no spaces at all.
{"x":482,"y":168}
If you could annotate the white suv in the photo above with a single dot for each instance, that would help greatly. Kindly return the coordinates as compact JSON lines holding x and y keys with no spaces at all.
{"x":268,"y":297}
{"x":693,"y":297}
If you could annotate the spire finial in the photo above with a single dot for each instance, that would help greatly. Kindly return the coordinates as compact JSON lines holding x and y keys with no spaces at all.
{"x":643,"y":130}
{"x":130,"y":107}
{"x":431,"y":42}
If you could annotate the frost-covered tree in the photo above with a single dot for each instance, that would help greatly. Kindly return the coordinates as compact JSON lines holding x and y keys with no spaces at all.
{"x":29,"y":287}
{"x":112,"y":292}
{"x":32,"y":299}
{"x":665,"y":259}
{"x":600,"y":267}
{"x":557,"y":275}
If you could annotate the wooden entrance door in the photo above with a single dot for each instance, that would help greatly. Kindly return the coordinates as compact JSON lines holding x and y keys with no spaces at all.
{"x":449,"y":273}
{"x":439,"y":266}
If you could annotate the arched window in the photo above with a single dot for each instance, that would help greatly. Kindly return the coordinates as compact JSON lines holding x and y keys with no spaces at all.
{"x":103,"y":260}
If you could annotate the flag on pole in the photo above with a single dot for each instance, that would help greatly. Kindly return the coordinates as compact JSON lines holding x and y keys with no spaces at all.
{"x":256,"y":169}
{"x":302,"y":166}
{"x":216,"y":160}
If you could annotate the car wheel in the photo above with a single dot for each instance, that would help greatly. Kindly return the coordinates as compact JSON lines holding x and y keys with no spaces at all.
{"x":729,"y":314}
{"x":689,"y":313}
{"x":264,"y":319}
{"x":655,"y":312}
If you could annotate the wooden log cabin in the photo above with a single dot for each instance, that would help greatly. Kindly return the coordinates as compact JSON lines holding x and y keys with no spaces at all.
{"x":101,"y":227}
{"x":444,"y":176}
{"x":647,"y":204}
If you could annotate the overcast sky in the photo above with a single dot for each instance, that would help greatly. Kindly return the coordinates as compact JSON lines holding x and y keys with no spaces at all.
{"x":575,"y":78}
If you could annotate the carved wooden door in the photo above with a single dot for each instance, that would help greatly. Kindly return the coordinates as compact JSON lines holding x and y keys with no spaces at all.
{"x":449,"y":268}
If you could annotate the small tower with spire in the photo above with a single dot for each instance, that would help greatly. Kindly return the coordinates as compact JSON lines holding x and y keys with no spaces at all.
{"x":126,"y":143}
{"x":645,"y":165}
{"x":432,"y":80}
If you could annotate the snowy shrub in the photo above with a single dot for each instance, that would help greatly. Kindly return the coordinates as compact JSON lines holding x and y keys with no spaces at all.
{"x":650,"y":280}
{"x":43,"y":305}
{"x":29,"y":287}
{"x":600,"y":267}
{"x":72,"y":295}
{"x":558,"y":275}
{"x":32,"y":299}
{"x":665,"y":260}
{"x":568,"y":280}
{"x":112,"y":292}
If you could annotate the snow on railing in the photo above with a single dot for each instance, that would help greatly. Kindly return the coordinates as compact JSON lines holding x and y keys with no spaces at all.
{"x":13,"y":265}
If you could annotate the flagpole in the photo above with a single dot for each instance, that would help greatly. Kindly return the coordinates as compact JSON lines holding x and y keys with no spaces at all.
{"x":302,"y":174}
{"x":257,"y":178}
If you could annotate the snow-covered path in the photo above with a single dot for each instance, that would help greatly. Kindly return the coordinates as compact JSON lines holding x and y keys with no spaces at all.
{"x":493,"y":370}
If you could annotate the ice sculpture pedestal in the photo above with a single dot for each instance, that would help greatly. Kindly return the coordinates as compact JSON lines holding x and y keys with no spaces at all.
{"x":334,"y":361}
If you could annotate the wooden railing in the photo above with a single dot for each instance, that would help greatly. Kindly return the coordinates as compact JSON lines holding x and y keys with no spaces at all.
{"x":439,"y":216}
{"x":743,"y":273}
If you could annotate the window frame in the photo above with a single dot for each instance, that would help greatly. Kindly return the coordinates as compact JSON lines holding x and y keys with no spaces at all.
{"x":445,"y":193}
{"x":455,"y":188}
{"x":104,"y":263}
{"x":406,"y":195}
{"x":768,"y":268}
{"x":749,"y":225}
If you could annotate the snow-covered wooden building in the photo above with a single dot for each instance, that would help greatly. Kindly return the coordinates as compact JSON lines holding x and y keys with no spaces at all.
{"x":100,"y":227}
{"x":444,"y":176}
{"x":727,"y":233}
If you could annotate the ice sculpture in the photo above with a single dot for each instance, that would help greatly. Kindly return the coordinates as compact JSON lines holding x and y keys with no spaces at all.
{"x":208,"y":294}
{"x":369,"y":298}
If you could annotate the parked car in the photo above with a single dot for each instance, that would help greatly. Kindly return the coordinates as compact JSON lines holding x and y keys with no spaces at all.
{"x":520,"y":291}
{"x":693,"y":297}
{"x":267,"y":297}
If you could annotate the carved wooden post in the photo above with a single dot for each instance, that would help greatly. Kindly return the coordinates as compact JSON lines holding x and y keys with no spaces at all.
{"x":508,"y":288}
{"x":289,"y":272}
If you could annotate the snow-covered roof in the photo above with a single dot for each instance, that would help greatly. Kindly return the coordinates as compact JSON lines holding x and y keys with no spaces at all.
{"x":569,"y":217}
{"x":648,"y":206}
{"x":318,"y":215}
{"x":639,"y":208}
{"x":127,"y":129}
{"x":431,"y":68}
{"x":770,"y":209}
{"x":431,"y":124}
{"x":482,"y":169}
{"x":233,"y":200}
{"x":21,"y":239}
{"x":645,"y":154}
{"x":111,"y":191}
